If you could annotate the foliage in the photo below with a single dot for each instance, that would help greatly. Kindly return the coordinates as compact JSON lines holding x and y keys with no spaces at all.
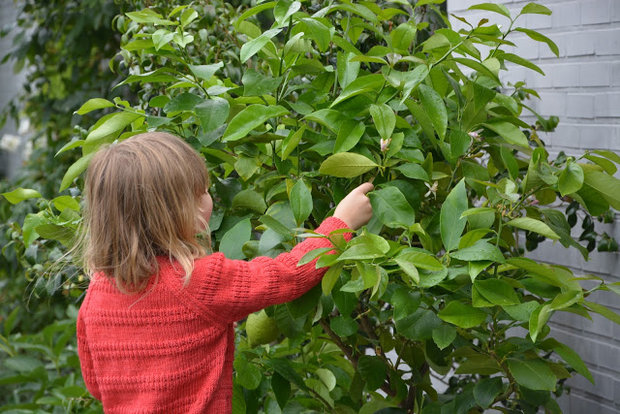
{"x":293,"y":104}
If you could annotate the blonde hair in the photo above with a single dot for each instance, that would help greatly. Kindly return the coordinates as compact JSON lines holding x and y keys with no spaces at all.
{"x":142,"y":201}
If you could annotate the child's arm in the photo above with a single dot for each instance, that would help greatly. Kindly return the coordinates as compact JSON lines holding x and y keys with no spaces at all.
{"x":233,"y":289}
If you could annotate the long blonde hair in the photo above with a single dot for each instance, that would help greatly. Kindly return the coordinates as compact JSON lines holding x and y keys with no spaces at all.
{"x":142,"y":201}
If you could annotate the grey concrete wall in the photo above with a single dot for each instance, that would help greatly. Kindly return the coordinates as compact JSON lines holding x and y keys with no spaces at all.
{"x":10,"y":84}
{"x":582,"y":88}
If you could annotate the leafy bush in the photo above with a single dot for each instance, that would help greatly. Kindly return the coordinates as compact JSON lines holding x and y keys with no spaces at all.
{"x":293,"y":104}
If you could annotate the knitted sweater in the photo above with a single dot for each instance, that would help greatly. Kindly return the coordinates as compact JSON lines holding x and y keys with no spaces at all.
{"x":170,"y":348}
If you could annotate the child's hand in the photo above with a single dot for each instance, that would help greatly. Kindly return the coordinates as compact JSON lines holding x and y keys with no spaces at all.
{"x":355,"y":208}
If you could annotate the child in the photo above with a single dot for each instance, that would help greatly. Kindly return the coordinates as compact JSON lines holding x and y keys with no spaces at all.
{"x":155,"y":331}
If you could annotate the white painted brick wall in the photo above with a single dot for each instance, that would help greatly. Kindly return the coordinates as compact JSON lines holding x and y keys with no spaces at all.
{"x":582,"y":88}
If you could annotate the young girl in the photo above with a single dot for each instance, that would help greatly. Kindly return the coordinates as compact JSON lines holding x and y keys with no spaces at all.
{"x":155,"y":331}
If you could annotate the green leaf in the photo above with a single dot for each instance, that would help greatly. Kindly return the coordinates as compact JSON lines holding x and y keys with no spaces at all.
{"x":521,"y":61}
{"x":479,"y":364}
{"x":609,"y":155}
{"x":571,"y":179}
{"x":461,"y":315}
{"x":331,"y":277}
{"x":248,"y":375}
{"x":253,"y":11}
{"x":20,"y":194}
{"x":419,"y":325}
{"x":606,"y":185}
{"x":405,"y":302}
{"x":53,"y":231}
{"x":420,"y":260}
{"x":249,"y":199}
{"x":161,"y":38}
{"x":538,"y":319}
{"x":444,"y":335}
{"x":535,"y":8}
{"x":534,"y":35}
{"x":93,"y":104}
{"x":281,"y":388}
{"x":10,"y":321}
{"x":285,"y":9}
{"x":185,"y":101}
{"x":327,"y":377}
{"x":346,"y":69}
{"x":409,"y":269}
{"x":188,"y":16}
{"x":232,"y":242}
{"x":523,"y":311}
{"x":212,"y":113}
{"x":343,"y":326}
{"x":537,"y":226}
{"x":573,"y":359}
{"x":313,"y":254}
{"x":257,"y":84}
{"x":162,"y":75}
{"x":608,"y":166}
{"x":497,"y":291}
{"x":481,"y":250}
{"x":252,"y":47}
{"x":75,"y":170}
{"x":478,"y":210}
{"x":533,"y":374}
{"x":384,"y":119}
{"x":414,"y":171}
{"x":249,"y":118}
{"x":349,"y":134}
{"x":329,"y":118}
{"x":479,"y":67}
{"x":205,"y":72}
{"x":149,"y":16}
{"x":346,"y":165}
{"x":392,"y":208}
{"x":367,"y":83}
{"x":566,"y":299}
{"x":413,"y":79}
{"x":492,"y":7}
{"x":486,"y":390}
{"x":316,"y":31}
{"x":435,"y":107}
{"x":373,"y":371}
{"x":301,"y":201}
{"x":366,"y":246}
{"x":23,"y":364}
{"x":275,"y":225}
{"x":450,"y":221}
{"x":403,"y":36}
{"x":603,"y":311}
{"x":292,"y":141}
{"x":66,"y":202}
{"x":113,"y":125}
{"x":510,"y":132}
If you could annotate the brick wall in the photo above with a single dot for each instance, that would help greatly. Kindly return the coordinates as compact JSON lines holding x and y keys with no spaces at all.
{"x":582,"y":88}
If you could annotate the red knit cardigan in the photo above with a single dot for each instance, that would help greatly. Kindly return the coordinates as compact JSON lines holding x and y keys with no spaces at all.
{"x":170,"y":349}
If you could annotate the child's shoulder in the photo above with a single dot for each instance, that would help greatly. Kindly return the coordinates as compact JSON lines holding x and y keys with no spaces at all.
{"x":209,"y":259}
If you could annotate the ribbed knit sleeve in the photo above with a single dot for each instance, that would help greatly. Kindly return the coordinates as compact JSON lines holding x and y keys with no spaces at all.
{"x":232,"y":289}
{"x":86,"y":360}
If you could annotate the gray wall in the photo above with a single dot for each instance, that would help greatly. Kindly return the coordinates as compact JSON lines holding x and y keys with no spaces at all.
{"x":9,"y":87}
{"x":582,"y":88}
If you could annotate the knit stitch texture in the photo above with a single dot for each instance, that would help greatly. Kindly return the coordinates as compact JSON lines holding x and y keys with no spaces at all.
{"x":170,"y":348}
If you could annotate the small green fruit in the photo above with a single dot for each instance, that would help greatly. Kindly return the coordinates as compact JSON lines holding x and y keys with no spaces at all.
{"x":261,"y":329}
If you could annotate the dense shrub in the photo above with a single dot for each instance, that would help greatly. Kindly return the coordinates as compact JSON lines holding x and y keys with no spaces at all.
{"x":293,"y":104}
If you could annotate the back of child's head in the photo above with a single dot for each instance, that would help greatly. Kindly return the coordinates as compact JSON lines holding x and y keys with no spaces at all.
{"x":142,"y":200}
